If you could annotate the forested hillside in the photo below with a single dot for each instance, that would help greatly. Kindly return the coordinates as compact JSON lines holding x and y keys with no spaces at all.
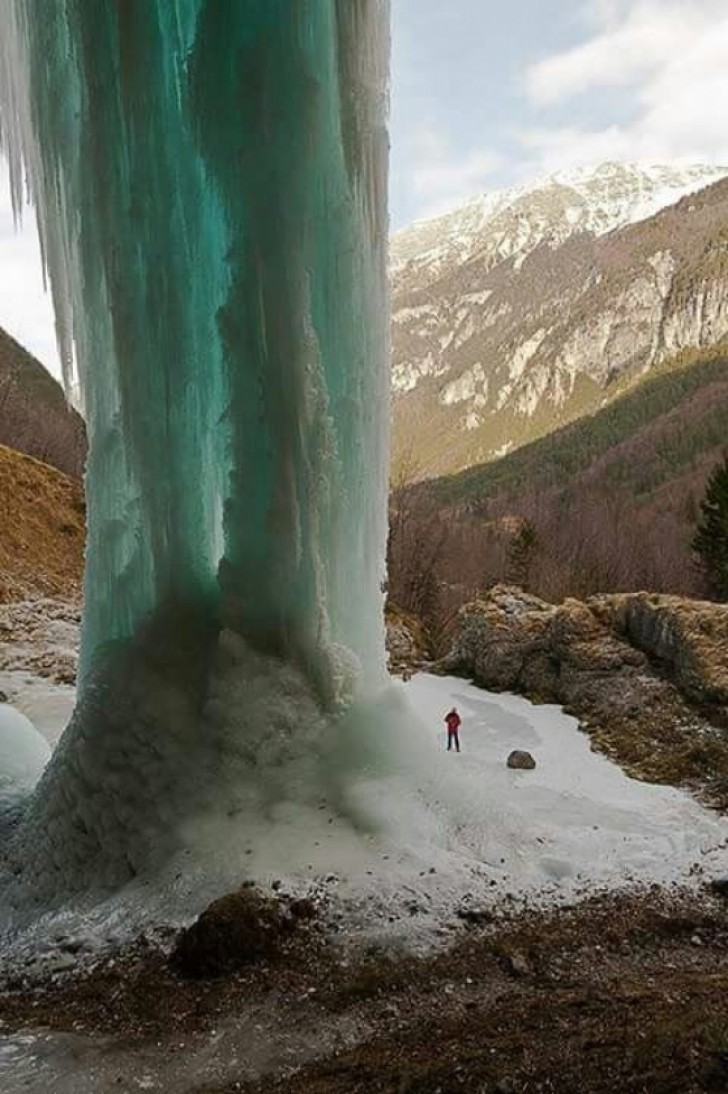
{"x":608,"y":503}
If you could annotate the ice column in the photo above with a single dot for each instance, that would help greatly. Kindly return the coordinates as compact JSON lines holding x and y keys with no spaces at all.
{"x":210,"y":183}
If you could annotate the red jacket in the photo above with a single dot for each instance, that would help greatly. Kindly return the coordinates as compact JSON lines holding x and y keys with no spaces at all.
{"x":453,"y":722}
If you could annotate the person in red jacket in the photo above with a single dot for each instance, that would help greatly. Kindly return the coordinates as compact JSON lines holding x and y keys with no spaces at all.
{"x":453,"y":722}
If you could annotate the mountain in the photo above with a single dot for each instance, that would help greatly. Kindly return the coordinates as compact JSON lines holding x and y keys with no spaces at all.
{"x":670,"y":426}
{"x":34,"y":415}
{"x":528,"y":308}
{"x":610,"y":500}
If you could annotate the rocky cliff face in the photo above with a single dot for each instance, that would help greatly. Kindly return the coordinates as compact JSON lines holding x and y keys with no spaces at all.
{"x":529,"y":311}
{"x":688,"y":638}
{"x":646,"y":675}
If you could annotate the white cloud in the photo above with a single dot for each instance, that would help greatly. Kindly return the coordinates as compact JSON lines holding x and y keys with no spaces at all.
{"x":442,"y":180}
{"x":26,"y":310}
{"x":669,"y":55}
{"x":629,"y":46}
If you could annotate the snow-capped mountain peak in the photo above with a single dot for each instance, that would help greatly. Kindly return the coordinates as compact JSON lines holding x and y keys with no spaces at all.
{"x":530,"y":306}
{"x":510,"y":223}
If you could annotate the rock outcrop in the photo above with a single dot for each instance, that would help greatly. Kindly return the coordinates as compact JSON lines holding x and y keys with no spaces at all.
{"x":646,"y":675}
{"x":239,"y":929}
{"x":688,"y":638}
{"x":406,"y":641}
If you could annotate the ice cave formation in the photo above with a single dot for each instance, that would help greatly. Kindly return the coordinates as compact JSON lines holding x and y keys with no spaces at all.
{"x":210,"y":183}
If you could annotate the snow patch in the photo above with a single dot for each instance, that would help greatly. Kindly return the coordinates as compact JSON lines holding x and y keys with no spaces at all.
{"x":23,"y":756}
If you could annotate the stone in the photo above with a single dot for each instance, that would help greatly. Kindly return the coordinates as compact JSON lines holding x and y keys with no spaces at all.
{"x":475,"y":916}
{"x":719,"y":886}
{"x":520,"y":760}
{"x":406,"y":642}
{"x":237,"y":930}
{"x":518,"y":965}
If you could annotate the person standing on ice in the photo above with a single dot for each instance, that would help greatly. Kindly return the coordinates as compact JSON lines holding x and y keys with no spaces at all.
{"x":453,"y":722}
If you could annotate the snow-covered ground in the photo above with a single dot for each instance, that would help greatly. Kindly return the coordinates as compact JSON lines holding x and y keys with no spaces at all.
{"x":435,"y":830}
{"x":47,"y":705}
{"x":464,"y":828}
{"x":577,"y":815}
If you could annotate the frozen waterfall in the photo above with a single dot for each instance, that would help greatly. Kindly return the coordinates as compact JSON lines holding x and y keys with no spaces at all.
{"x":210,"y":183}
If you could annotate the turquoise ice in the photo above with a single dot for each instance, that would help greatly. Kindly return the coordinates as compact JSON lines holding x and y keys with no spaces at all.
{"x":210,"y":183}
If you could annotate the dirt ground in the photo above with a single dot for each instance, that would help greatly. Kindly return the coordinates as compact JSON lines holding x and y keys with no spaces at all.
{"x":618,"y":994}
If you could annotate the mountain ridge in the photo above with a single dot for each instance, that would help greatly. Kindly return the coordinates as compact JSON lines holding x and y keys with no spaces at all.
{"x":495,"y":352}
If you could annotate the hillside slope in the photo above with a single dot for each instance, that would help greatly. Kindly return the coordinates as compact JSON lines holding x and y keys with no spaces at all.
{"x":672,"y":423}
{"x":34,"y":415}
{"x":493,"y":354}
{"x":41,"y":529}
{"x":610,"y":501}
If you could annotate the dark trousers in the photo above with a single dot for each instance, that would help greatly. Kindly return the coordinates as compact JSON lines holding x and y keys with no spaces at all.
{"x":452,"y":737}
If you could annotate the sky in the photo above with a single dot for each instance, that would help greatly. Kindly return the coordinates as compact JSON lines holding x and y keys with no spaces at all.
{"x":489,"y":93}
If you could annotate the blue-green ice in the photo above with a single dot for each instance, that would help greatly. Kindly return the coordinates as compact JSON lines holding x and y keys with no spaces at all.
{"x":210,"y":183}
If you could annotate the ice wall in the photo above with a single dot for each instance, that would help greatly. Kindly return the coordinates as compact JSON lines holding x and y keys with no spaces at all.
{"x":210,"y":183}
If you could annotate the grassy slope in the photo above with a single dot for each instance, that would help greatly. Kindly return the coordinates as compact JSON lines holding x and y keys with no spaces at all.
{"x":41,"y":529}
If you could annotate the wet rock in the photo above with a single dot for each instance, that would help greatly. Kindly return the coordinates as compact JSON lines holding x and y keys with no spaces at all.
{"x":475,"y":916}
{"x":302,"y":908}
{"x":518,"y":965}
{"x":520,"y":760}
{"x":237,"y":930}
{"x":61,"y":963}
{"x":719,"y":886}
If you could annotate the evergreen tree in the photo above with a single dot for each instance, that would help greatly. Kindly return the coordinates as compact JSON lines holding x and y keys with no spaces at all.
{"x":711,"y":538}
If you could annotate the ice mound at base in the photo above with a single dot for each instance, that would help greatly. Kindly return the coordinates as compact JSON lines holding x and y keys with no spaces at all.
{"x":402,"y":836}
{"x":23,"y":755}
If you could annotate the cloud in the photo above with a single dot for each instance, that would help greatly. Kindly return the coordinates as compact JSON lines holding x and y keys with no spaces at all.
{"x":26,"y":310}
{"x":670,"y":56}
{"x":442,"y":180}
{"x":629,"y":46}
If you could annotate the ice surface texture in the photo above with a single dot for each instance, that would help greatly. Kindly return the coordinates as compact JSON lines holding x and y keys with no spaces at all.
{"x":23,"y":755}
{"x":210,"y":182}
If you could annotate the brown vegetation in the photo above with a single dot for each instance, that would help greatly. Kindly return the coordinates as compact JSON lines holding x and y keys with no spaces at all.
{"x":606,"y":505}
{"x":42,"y":529}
